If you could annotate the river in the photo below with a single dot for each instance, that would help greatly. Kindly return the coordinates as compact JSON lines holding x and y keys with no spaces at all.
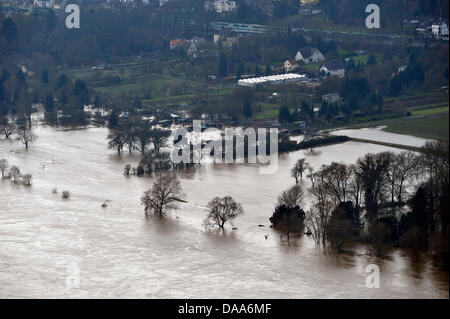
{"x":115,"y":252}
{"x":377,"y":134}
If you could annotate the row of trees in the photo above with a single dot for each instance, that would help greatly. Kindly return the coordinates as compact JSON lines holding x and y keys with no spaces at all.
{"x":140,"y":138}
{"x":137,"y":138}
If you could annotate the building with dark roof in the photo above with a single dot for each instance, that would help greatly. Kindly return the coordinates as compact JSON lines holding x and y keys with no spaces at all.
{"x":309,"y":55}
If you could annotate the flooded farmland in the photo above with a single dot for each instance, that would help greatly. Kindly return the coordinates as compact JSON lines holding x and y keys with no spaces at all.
{"x":117,"y":252}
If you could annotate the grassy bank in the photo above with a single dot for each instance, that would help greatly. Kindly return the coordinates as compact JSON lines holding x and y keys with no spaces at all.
{"x":436,"y":126}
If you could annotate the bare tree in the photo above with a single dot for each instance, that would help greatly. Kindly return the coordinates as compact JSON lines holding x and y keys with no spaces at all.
{"x":7,"y":129}
{"x":221,"y":211}
{"x":434,"y":164}
{"x":336,"y":178}
{"x":312,"y":175}
{"x":14,"y":173}
{"x":318,"y":216}
{"x":291,"y":197}
{"x":127,"y":170}
{"x":355,"y":188}
{"x":159,"y":138}
{"x":371,"y":169}
{"x":339,"y":229}
{"x":130,"y":141}
{"x":143,"y":138}
{"x":116,"y":141}
{"x":401,"y":169}
{"x":299,"y":168}
{"x":4,"y":165}
{"x":26,"y":137}
{"x":163,"y":196}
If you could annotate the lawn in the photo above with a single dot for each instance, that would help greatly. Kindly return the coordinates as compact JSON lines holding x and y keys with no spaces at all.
{"x":268,"y":111}
{"x":430,"y":111}
{"x":426,"y":127}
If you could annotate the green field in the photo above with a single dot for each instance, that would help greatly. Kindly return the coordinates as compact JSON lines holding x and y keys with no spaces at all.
{"x":430,"y":111}
{"x":268,"y":111}
{"x":427,"y":127}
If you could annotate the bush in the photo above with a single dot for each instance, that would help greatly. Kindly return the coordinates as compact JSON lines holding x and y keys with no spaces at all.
{"x":288,"y":219}
{"x":26,"y":179}
{"x":140,"y":170}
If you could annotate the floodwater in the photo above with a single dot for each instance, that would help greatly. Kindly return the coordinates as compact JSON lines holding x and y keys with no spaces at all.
{"x":377,"y":134}
{"x":51,"y":247}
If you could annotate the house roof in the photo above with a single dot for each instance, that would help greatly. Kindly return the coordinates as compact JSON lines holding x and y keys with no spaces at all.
{"x":334,"y":64}
{"x":308,"y":52}
{"x":293,"y":62}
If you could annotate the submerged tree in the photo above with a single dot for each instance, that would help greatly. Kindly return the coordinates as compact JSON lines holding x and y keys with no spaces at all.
{"x":7,"y":129}
{"x":14,"y":173}
{"x":379,"y":234}
{"x":371,"y":170}
{"x":221,"y":211}
{"x":26,"y":179}
{"x":116,"y":141}
{"x":291,"y":197}
{"x":339,"y":229}
{"x":163,"y":196}
{"x":159,"y":138}
{"x":26,"y":137}
{"x":300,"y":167}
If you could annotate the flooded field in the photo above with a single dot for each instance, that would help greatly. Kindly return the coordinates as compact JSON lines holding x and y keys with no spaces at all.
{"x":46,"y":240}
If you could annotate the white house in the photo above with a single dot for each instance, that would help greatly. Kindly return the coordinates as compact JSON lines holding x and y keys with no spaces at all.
{"x":309,"y":55}
{"x":290,"y":65}
{"x":333,"y":67}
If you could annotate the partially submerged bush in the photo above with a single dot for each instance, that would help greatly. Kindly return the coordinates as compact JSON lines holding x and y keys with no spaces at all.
{"x":65,"y":194}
